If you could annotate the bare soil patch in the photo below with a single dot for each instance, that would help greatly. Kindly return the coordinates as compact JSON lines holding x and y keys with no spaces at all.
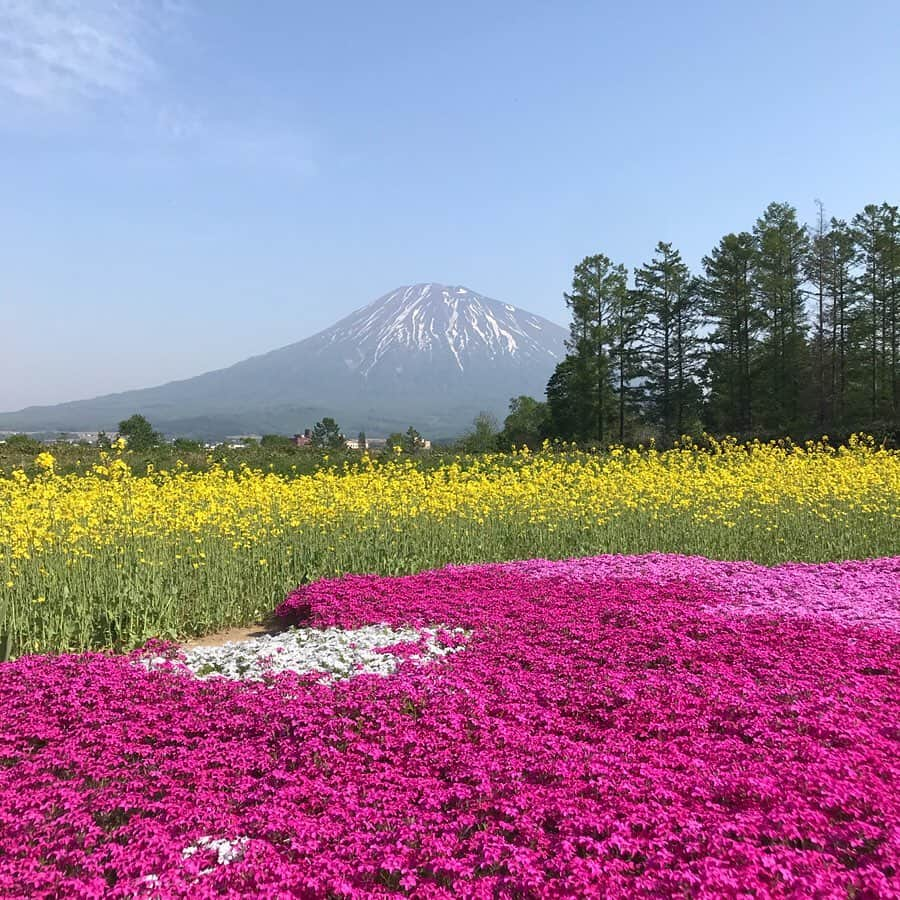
{"x":237,"y":633}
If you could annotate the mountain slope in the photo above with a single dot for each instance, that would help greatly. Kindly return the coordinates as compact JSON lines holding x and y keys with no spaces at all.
{"x":430,"y":355}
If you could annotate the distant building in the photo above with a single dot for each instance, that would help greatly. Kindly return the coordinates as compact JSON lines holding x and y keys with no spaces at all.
{"x":303,"y":440}
{"x":376,"y":443}
{"x":83,"y":437}
{"x":61,"y":437}
{"x":240,"y":441}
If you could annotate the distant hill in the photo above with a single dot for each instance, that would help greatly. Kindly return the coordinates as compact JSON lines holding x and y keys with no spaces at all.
{"x":428,"y":355}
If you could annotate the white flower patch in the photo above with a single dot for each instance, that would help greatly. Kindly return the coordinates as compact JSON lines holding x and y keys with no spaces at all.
{"x":226,"y":851}
{"x":338,"y":652}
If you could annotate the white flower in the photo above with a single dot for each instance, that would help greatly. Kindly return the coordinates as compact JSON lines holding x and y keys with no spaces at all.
{"x":336,"y":652}
{"x":226,"y":851}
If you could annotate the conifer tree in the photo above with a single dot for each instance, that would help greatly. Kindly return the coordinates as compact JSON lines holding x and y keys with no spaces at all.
{"x":842,"y":304}
{"x":730,"y":310}
{"x":890,"y":253}
{"x":326,"y":435}
{"x":598,"y":288}
{"x":791,"y":331}
{"x":782,"y":245}
{"x":670,"y":297}
{"x":562,"y":412}
{"x":866,"y":228}
{"x":815,"y":267}
{"x":628,"y":320}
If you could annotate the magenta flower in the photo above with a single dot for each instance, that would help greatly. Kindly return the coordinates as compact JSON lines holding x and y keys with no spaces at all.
{"x":618,"y":727}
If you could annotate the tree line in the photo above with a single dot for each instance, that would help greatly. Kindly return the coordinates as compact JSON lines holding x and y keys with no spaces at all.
{"x":326,"y":434}
{"x":788,"y":330}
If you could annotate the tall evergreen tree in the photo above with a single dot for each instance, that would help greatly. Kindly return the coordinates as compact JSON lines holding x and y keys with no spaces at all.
{"x":730,"y":311}
{"x":815,"y":267}
{"x":598,"y":288}
{"x":871,"y":283}
{"x":628,"y":319}
{"x":782,"y":245}
{"x":890,"y":251}
{"x":562,"y":410}
{"x":842,"y":299}
{"x":670,"y":297}
{"x":791,"y":331}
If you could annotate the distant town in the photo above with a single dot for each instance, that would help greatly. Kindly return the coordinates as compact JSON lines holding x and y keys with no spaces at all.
{"x":232,"y":442}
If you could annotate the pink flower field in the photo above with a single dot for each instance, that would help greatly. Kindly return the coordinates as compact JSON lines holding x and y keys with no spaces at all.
{"x":617,"y":727}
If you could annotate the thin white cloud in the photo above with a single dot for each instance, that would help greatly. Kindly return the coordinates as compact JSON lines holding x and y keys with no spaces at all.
{"x":66,"y":56}
{"x":57,"y":52}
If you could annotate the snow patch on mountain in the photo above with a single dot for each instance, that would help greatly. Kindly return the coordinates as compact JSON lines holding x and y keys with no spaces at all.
{"x":441,"y":321}
{"x":429,"y":354}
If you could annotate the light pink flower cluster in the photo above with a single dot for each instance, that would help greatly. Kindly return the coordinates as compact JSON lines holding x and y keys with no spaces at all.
{"x":614,"y":728}
{"x":866,"y":592}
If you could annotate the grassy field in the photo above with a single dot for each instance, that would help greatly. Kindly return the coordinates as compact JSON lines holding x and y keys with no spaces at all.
{"x":102,"y":558}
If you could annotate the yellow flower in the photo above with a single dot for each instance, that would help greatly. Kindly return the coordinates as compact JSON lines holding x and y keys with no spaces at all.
{"x":45,"y":461}
{"x":389,"y":513}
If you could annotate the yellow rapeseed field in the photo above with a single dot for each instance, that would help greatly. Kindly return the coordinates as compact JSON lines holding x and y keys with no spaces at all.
{"x":108,"y":559}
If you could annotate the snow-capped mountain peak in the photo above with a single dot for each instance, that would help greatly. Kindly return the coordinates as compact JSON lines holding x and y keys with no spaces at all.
{"x":437,"y":321}
{"x":430,"y":355}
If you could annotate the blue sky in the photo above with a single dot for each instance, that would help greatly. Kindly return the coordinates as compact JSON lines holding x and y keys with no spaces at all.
{"x":184,"y":183}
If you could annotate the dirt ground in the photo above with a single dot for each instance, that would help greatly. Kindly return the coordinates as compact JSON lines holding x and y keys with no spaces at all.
{"x":228,"y":635}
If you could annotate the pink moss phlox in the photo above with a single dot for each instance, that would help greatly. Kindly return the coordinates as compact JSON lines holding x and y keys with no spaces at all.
{"x":653,"y":726}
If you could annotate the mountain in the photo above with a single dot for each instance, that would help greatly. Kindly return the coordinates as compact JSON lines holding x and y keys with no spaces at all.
{"x":428,"y":355}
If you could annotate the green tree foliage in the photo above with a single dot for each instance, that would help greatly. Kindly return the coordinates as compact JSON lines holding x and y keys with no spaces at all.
{"x":890,"y":252}
{"x":412,"y":441}
{"x":139,"y":433}
{"x":562,"y":412}
{"x":599,"y":289}
{"x":842,"y":311}
{"x":876,"y":232}
{"x":815,"y":267}
{"x":790,"y":331}
{"x":526,"y":424}
{"x":866,"y":229}
{"x":277,"y":442}
{"x":628,"y":325}
{"x":23,"y":443}
{"x":186,"y":445}
{"x":326,"y":435}
{"x":781,"y":247}
{"x":671,"y":358}
{"x":482,"y":437}
{"x":734,"y":325}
